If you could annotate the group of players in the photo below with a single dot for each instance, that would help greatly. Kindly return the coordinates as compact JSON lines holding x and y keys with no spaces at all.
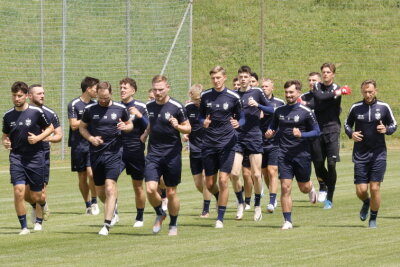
{"x":229,"y":131}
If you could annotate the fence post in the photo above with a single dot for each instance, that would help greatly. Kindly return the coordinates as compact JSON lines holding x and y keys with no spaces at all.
{"x":128,"y":38}
{"x":262,"y":37}
{"x":63,"y":49}
{"x":190,"y":41}
{"x":41,"y":44}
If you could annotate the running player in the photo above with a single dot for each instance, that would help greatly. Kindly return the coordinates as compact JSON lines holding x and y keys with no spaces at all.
{"x":133,"y":147}
{"x":236,"y":84}
{"x":372,"y":119}
{"x":307,"y":99}
{"x":24,"y":128}
{"x":218,"y":108}
{"x":249,"y":142}
{"x":80,"y":158}
{"x":296,"y":123}
{"x":327,"y":99}
{"x":167,"y":120}
{"x":101,"y":125}
{"x":37,"y":96}
{"x":270,"y":146}
{"x":195,"y":139}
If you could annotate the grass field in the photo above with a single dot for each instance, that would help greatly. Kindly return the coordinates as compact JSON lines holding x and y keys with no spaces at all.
{"x":320,"y":238}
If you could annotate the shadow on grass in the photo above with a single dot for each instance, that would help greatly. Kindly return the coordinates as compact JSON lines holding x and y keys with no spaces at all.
{"x":111,"y":234}
{"x":389,"y":217}
{"x":342,"y":226}
{"x":65,"y":212}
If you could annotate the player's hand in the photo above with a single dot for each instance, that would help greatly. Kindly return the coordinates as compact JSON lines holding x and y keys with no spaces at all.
{"x":96,"y":140}
{"x":7,"y":143}
{"x":381,"y":128}
{"x":207,"y":121}
{"x":32,"y":138}
{"x":143,"y":137}
{"x":296,"y":132}
{"x":234,"y":123}
{"x":174,"y":122}
{"x":136,"y":112}
{"x":269,"y":133}
{"x":253,"y":103}
{"x":121,"y":125}
{"x":185,"y":138}
{"x":357,"y":136}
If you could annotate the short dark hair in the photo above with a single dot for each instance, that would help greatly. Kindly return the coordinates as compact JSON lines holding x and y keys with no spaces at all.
{"x":253,"y":74}
{"x":244,"y":69}
{"x":104,"y":86}
{"x":366,"y":82}
{"x":314,"y":73}
{"x":235,"y":79}
{"x":33,"y":86}
{"x":129,"y":81}
{"x":289,"y":83}
{"x":331,"y":66}
{"x":88,"y":82}
{"x":19,"y":86}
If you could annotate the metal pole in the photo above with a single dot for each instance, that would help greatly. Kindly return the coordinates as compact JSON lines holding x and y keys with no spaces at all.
{"x":41,"y":44}
{"x":128,"y":38}
{"x":63,"y":110}
{"x":262,"y":38}
{"x":190,"y":41}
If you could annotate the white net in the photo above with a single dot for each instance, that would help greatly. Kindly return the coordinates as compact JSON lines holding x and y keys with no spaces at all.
{"x":58,"y":44}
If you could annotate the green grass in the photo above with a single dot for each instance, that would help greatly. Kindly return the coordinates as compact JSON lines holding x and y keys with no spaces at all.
{"x":320,"y":237}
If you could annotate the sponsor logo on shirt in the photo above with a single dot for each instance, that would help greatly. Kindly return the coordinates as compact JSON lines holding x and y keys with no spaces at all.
{"x":12,"y":124}
{"x":360,"y":116}
{"x":151,"y":114}
{"x":209,"y":105}
{"x":96,"y":117}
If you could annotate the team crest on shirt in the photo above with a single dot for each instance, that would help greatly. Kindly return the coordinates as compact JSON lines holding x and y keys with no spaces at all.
{"x":167,"y":115}
{"x":225,"y":106}
{"x":28,"y":122}
{"x":296,"y":118}
{"x":113,"y":116}
{"x":251,"y":98}
{"x":378,"y":115}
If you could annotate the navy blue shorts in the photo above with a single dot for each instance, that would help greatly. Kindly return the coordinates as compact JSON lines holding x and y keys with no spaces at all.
{"x":170,"y":167}
{"x":372,"y":171}
{"x":270,"y":157}
{"x":106,"y":165}
{"x":246,"y":161}
{"x":46,"y":166}
{"x":247,"y":147}
{"x":134,"y":163}
{"x":294,"y":167}
{"x":28,"y":169}
{"x":214,"y":160}
{"x":196,"y":163}
{"x":79,"y":160}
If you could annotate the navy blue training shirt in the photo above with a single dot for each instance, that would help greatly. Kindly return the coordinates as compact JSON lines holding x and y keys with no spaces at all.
{"x":165,"y":139}
{"x":53,"y":118}
{"x":131,"y":140}
{"x":365,"y":118}
{"x":327,"y":106}
{"x":288,"y":117}
{"x":196,"y":135}
{"x":75,"y":110}
{"x":221,"y":106}
{"x":266,"y":122}
{"x":102,"y":121}
{"x":17,"y":124}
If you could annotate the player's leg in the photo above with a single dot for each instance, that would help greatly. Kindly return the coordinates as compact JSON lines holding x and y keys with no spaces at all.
{"x":94,"y":207}
{"x":247,"y":182}
{"x":255,"y":163}
{"x":319,"y":168}
{"x":197,"y":169}
{"x":173,"y":209}
{"x":19,"y":204}
{"x":286,"y":202}
{"x":332,"y":156}
{"x":162,"y":189}
{"x":377,"y":173}
{"x":140,"y":201}
{"x":237,"y":186}
{"x":302,"y":172}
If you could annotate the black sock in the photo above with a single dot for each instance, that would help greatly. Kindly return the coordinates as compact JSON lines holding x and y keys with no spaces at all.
{"x":206,"y":205}
{"x":239,"y":196}
{"x":173,"y":220}
{"x":139,"y":214}
{"x":257,"y":200}
{"x":94,"y":200}
{"x":33,"y":205}
{"x":87,"y":203}
{"x":22,"y":221}
{"x":287,"y":216}
{"x":159,"y":211}
{"x":366,"y":201}
{"x":373,"y":215}
{"x":163,"y":193}
{"x":247,"y":200}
